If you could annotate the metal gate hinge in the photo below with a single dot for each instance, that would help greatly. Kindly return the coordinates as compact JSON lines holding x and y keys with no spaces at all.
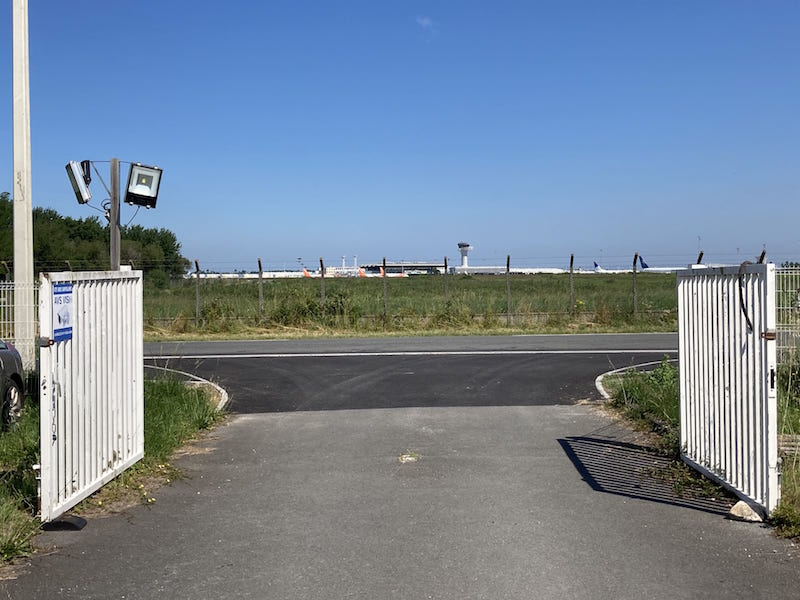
{"x":769,"y":335}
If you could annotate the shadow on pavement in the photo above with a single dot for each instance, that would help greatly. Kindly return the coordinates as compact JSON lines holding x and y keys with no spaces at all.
{"x":611,"y":464}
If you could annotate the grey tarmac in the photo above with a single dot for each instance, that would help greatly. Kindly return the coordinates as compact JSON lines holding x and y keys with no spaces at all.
{"x":530,"y":499}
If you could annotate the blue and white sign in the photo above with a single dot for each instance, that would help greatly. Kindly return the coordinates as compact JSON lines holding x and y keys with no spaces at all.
{"x":62,"y":311}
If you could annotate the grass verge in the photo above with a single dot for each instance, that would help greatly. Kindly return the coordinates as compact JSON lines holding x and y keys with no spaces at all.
{"x":19,"y":451}
{"x":174,"y":413}
{"x":786,"y":517}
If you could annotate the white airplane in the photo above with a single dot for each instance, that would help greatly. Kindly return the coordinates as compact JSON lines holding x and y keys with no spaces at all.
{"x":649,"y":269}
{"x":599,"y":269}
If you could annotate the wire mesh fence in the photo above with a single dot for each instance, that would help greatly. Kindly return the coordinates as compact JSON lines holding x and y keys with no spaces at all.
{"x":19,"y":321}
{"x":418,"y":303}
{"x":787,"y":283}
{"x":531,"y":300}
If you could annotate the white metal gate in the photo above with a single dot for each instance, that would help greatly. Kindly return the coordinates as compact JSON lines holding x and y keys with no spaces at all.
{"x":91,"y":380}
{"x":726,"y":329}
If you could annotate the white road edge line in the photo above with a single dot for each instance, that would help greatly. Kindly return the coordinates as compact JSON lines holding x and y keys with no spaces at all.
{"x":409,"y":353}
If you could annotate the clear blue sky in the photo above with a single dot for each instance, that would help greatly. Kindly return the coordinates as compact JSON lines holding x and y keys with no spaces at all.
{"x":398,"y":127}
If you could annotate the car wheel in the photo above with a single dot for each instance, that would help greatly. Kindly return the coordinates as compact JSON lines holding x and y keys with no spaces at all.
{"x":12,"y":404}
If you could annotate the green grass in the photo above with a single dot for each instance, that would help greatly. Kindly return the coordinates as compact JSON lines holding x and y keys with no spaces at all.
{"x":19,"y":451}
{"x":651,"y":399}
{"x":174,"y":414}
{"x":786,"y":517}
{"x":355,"y":306}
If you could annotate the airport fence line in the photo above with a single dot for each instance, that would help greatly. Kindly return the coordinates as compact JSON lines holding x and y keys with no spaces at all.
{"x":416,"y":302}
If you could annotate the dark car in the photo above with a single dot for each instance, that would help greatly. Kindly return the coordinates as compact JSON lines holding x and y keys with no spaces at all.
{"x":11,"y":386}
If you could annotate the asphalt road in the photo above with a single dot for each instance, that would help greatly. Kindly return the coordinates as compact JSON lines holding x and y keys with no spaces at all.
{"x":518,"y":491}
{"x":336,"y":374}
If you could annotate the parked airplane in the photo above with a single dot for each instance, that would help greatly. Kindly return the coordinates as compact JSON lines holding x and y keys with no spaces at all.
{"x":649,"y":269}
{"x":363,"y":273}
{"x":599,"y":269}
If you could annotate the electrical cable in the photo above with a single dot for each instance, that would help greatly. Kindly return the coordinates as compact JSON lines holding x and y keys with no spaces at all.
{"x":134,"y":216}
{"x":741,"y":295}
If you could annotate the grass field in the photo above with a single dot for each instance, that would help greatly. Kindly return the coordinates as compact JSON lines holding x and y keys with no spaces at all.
{"x":420,"y":304}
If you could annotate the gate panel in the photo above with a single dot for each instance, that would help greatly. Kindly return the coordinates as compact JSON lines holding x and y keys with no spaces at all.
{"x":726,"y":331}
{"x":91,"y":385}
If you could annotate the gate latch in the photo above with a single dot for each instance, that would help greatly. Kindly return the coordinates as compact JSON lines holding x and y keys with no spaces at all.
{"x":45,"y":342}
{"x":769,"y":335}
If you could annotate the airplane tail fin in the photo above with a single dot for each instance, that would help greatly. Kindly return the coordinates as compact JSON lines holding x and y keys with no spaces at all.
{"x":361,"y":272}
{"x":383,"y":273}
{"x":644,"y":264}
{"x":306,"y":273}
{"x":596,"y":266}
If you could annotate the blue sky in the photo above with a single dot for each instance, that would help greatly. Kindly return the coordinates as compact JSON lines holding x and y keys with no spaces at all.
{"x":398,"y":128}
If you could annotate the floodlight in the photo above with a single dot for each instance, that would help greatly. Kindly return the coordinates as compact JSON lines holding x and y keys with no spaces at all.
{"x":143,"y":183}
{"x":79,"y":186}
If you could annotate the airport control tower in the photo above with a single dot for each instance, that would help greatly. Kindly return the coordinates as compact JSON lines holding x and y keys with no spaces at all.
{"x":464,"y":248}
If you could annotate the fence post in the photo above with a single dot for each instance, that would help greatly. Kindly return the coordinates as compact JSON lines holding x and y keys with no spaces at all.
{"x":383,"y":274}
{"x":635,"y":298}
{"x":446,"y":286}
{"x":197,"y":295}
{"x":260,"y":292}
{"x":322,"y":285}
{"x":571,"y":284}
{"x":508,"y":290}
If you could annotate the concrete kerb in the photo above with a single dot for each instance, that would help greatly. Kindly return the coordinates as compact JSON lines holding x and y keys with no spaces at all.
{"x":598,"y":382}
{"x":194,"y":380}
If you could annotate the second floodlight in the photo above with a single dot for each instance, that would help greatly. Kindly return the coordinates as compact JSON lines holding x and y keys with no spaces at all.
{"x":78,"y":180}
{"x":143,"y":183}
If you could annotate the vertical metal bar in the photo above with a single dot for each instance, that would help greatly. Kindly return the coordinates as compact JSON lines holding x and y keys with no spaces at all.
{"x":446,"y":284}
{"x":197,"y":295}
{"x":114,"y":214}
{"x":571,"y":284}
{"x":383,"y":273}
{"x":140,"y":366}
{"x":322,"y":286}
{"x":725,"y":384}
{"x":680,"y":284}
{"x":508,"y":290}
{"x":260,"y":293}
{"x":635,"y":295}
{"x":46,"y":416}
{"x":773,"y":487}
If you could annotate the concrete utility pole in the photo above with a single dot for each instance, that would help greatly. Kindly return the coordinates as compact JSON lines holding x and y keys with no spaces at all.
{"x":24,"y":331}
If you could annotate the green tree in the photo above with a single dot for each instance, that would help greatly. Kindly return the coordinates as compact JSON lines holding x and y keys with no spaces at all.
{"x":84,"y":244}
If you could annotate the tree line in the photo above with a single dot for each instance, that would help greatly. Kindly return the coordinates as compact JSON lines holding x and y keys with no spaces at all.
{"x":63,"y":243}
